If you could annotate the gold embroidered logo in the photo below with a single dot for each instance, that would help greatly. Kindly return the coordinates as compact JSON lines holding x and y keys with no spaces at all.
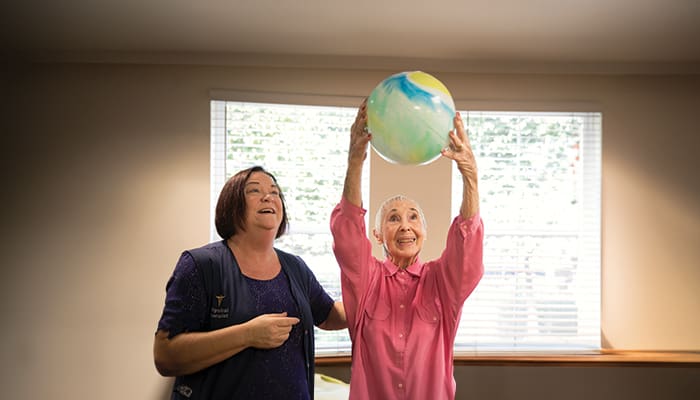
{"x":219,"y":312}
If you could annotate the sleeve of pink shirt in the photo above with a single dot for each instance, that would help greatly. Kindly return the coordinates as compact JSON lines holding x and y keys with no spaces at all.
{"x":353,"y":251}
{"x":461,"y":265}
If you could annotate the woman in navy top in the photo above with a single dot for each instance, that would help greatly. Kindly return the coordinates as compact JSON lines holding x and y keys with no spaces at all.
{"x":239,"y":314}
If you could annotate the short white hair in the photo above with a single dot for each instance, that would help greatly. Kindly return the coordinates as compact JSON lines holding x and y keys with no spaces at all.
{"x":379,"y":217}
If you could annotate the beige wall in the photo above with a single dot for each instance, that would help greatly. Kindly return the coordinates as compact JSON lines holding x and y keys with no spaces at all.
{"x":105,"y":171}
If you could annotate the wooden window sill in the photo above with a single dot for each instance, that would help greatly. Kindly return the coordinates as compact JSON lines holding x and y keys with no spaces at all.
{"x":600,"y":358}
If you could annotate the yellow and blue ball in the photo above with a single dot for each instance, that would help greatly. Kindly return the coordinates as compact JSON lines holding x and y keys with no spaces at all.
{"x":410,"y":115}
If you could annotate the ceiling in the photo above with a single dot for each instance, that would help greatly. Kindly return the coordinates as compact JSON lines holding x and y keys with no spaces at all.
{"x":561,"y":31}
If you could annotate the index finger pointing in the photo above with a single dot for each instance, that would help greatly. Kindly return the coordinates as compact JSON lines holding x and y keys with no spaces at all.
{"x":288,"y":321}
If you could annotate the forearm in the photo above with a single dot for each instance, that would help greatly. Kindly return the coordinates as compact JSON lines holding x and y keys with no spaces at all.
{"x":336,"y":319}
{"x":470,"y":196}
{"x":470,"y":178}
{"x":352,"y":189}
{"x":357,"y":153}
{"x":190,"y":352}
{"x":460,"y":151}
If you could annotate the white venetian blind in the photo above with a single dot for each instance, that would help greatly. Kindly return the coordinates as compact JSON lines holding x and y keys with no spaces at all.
{"x":305,"y":147}
{"x":539,"y":182}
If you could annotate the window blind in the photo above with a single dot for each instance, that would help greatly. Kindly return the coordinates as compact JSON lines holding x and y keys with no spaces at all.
{"x":305,"y":147}
{"x":539,"y":182}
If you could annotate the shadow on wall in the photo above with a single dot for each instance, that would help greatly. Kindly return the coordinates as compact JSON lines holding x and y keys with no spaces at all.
{"x":166,"y":390}
{"x":604,"y":342}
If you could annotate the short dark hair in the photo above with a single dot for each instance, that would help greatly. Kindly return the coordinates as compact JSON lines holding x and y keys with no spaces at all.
{"x":231,"y":206}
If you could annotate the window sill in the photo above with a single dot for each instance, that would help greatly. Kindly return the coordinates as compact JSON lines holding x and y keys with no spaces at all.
{"x":601,"y":358}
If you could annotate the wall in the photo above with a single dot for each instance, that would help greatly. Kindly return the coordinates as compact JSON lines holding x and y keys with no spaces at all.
{"x":106,"y":179}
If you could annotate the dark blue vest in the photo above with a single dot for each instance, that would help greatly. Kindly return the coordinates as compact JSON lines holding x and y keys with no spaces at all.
{"x":229,"y":304}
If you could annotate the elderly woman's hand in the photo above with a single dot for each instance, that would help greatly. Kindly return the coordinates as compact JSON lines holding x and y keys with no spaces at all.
{"x":459,"y":148}
{"x":460,"y":151}
{"x":359,"y":136}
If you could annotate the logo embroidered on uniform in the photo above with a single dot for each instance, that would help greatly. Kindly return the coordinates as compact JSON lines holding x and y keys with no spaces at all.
{"x":219,"y":312}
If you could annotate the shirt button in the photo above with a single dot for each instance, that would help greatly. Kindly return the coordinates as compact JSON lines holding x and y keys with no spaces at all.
{"x":400,"y":385}
{"x":401,"y":306}
{"x":401,"y":335}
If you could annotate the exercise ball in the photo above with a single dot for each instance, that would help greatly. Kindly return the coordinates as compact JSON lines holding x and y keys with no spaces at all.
{"x":410,"y":115}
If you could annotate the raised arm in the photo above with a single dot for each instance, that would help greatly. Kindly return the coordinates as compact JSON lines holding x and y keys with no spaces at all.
{"x":460,"y":150}
{"x":351,"y":246}
{"x":359,"y":140}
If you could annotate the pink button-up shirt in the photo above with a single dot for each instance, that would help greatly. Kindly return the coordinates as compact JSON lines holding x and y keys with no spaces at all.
{"x":403,"y":323}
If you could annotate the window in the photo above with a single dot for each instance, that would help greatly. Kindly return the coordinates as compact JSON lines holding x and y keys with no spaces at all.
{"x":286,"y":140}
{"x":539,"y":180}
{"x":539,"y":186}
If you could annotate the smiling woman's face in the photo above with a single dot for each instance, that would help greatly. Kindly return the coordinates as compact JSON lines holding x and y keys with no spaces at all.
{"x":402,"y":231}
{"x":263,"y":202}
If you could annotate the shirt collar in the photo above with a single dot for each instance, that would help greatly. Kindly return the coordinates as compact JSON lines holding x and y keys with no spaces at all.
{"x":414,"y":269}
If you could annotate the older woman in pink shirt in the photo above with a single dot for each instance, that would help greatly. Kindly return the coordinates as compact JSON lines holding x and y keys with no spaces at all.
{"x":403,"y":312}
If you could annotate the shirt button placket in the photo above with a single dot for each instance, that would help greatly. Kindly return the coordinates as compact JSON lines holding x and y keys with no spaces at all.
{"x":402,"y":323}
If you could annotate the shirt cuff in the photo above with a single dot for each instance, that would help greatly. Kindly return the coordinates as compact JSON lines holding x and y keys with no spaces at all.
{"x":348,"y":208}
{"x":468,"y":226}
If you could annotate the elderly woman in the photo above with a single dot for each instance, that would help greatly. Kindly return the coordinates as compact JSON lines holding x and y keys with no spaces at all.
{"x":402,"y":312}
{"x":239,"y":314}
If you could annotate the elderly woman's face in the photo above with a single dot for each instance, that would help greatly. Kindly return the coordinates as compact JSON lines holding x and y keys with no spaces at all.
{"x":402,"y":231}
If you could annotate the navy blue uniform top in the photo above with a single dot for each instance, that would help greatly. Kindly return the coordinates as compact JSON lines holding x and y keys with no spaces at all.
{"x":207,"y":291}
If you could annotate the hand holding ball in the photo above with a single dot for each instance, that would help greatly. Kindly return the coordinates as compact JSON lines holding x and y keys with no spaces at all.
{"x":410,"y":116}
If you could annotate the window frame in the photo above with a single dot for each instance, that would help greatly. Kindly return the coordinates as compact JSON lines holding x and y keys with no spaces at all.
{"x":588,"y":235}
{"x":352,"y":101}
